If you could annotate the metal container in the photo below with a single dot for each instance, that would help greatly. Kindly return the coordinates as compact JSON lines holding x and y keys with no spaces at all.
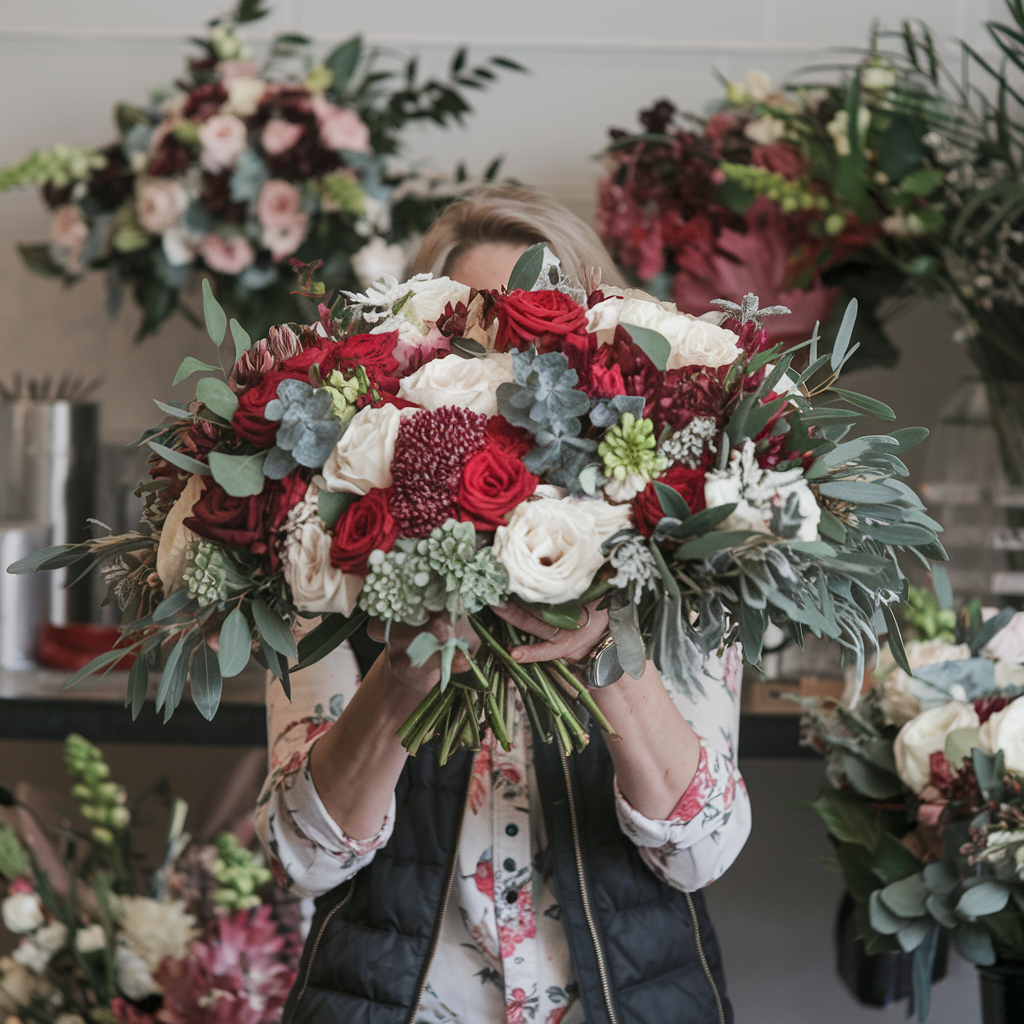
{"x":48,"y":464}
{"x":23,"y":598}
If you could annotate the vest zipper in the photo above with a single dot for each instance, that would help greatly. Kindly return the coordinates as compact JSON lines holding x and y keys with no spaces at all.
{"x":316,"y":944}
{"x":704,"y":959}
{"x":449,"y":881}
{"x":602,"y":967}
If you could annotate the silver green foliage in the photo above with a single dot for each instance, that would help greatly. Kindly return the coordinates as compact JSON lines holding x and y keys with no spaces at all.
{"x":308,"y":431}
{"x":209,"y":574}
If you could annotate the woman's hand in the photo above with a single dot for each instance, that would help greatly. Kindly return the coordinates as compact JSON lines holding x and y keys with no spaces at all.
{"x":421,"y":677}
{"x":568,"y":644}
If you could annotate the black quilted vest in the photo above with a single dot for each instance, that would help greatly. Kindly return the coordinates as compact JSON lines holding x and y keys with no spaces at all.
{"x":642,"y":952}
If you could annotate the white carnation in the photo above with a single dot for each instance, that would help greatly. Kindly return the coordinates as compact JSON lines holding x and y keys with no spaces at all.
{"x":377,"y":259}
{"x":926,"y":735}
{"x":22,"y":912}
{"x":244,"y":95}
{"x":90,"y":939}
{"x":453,"y":380}
{"x":1005,"y":731}
{"x":52,"y":937}
{"x":361,"y":460}
{"x":29,"y":955}
{"x":154,"y":929}
{"x":133,"y":977}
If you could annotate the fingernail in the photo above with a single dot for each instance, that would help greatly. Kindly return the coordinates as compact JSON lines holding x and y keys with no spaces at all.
{"x":517,"y":654}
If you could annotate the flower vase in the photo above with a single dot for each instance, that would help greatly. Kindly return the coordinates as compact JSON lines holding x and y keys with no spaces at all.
{"x":1002,"y":993}
{"x":877,"y":979}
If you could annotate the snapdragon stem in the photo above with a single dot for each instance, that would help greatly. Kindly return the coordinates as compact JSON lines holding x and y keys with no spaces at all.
{"x":410,"y":724}
{"x":534,"y":716}
{"x":586,"y":699}
{"x":497,"y":723}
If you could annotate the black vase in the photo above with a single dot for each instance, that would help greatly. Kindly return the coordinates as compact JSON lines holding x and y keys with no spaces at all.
{"x":878,"y":979}
{"x":1002,"y":994}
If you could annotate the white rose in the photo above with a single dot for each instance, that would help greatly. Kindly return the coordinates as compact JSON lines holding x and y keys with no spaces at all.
{"x":919,"y":654}
{"x":159,"y":202}
{"x":244,"y":96}
{"x":155,"y":929}
{"x":453,"y":380}
{"x":90,"y":939}
{"x":926,"y":735}
{"x":22,"y":912}
{"x":316,"y":585}
{"x":377,"y":258}
{"x":898,"y":706}
{"x":550,"y":549}
{"x":133,"y":977}
{"x":175,"y":538}
{"x":608,"y":519}
{"x":178,"y":246}
{"x":431,"y":296}
{"x":29,"y":955}
{"x":1005,"y":731}
{"x":1009,"y":675}
{"x":361,"y":460}
{"x":52,"y":937}
{"x":765,"y":130}
{"x":1008,"y":643}
{"x":759,"y":85}
{"x":703,"y":344}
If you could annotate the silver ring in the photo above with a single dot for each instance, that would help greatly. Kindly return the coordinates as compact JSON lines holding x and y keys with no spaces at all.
{"x":558,"y":629}
{"x":587,"y":623}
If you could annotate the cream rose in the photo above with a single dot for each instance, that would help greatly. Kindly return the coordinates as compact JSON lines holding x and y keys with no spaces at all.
{"x":550,"y":549}
{"x":22,"y":912}
{"x":453,"y":380}
{"x":926,"y":735}
{"x":91,"y":939}
{"x":244,"y":95}
{"x":1005,"y":731}
{"x":361,"y":460}
{"x":920,"y":653}
{"x":315,"y":584}
{"x":1008,"y":643}
{"x":159,"y":202}
{"x":608,"y":519}
{"x":176,"y":538}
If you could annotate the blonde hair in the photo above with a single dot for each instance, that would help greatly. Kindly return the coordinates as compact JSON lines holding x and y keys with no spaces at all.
{"x":512,"y":215}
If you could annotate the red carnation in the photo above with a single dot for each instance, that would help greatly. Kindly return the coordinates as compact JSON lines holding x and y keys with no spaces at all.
{"x":647,"y":511}
{"x":290,"y":491}
{"x":686,"y":393}
{"x":494,"y":481}
{"x":527,"y":317}
{"x":364,"y":526}
{"x":249,"y":420}
{"x":234,"y":522}
{"x":502,"y":434}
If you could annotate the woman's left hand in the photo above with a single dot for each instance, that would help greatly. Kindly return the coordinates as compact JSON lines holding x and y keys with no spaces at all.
{"x":568,"y":644}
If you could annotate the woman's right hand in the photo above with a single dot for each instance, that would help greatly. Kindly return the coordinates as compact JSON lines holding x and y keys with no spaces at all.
{"x":422,"y":677}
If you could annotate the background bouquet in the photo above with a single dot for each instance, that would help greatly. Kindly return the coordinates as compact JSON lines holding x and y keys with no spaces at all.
{"x":428,"y":448}
{"x":195,"y":944}
{"x":243,"y":164}
{"x":925,"y":797}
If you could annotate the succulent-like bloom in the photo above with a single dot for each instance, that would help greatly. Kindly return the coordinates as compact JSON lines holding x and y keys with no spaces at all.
{"x":308,"y":431}
{"x":628,"y":449}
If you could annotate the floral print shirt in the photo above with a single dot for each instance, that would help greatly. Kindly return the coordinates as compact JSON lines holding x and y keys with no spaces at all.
{"x":503,"y":955}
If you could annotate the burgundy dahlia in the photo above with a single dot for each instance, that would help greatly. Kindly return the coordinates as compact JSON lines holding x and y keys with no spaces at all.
{"x":430,"y":452}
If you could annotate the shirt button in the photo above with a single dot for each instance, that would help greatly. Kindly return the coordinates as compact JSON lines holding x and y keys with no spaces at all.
{"x":509,"y":864}
{"x":511,"y":830}
{"x":511,"y":895}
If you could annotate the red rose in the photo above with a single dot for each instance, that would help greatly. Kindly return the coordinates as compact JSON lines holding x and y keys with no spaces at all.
{"x":526,"y":317}
{"x":364,"y":526}
{"x":233,"y":522}
{"x":494,"y":481}
{"x":249,"y":420}
{"x":688,"y":482}
{"x":502,"y":434}
{"x":290,"y":491}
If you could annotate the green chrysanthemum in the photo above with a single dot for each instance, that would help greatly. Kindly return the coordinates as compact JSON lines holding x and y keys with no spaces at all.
{"x":628,"y":449}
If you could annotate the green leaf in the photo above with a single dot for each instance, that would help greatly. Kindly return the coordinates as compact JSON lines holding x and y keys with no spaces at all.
{"x":909,"y":437}
{"x":332,"y":504}
{"x":673,"y":504}
{"x":898,"y":534}
{"x":240,"y":475}
{"x":274,"y":630}
{"x":858,"y":492}
{"x":207,"y":683}
{"x":704,"y":521}
{"x":829,"y":526}
{"x":974,"y":943}
{"x":870,"y":405}
{"x":216,"y":320}
{"x":562,"y":616}
{"x":923,"y":182}
{"x":342,"y":62}
{"x":849,"y":818}
{"x":241,"y":339}
{"x":941,"y":585}
{"x":138,"y":686}
{"x":527,"y":269}
{"x":179,"y":412}
{"x":718,"y":540}
{"x":883,"y":920}
{"x":896,"y":640}
{"x":868,"y":779}
{"x":842,"y":342}
{"x":37,"y":259}
{"x":278,"y":669}
{"x":815,"y":548}
{"x":235,"y":645}
{"x":57,"y":557}
{"x":334,"y":630}
{"x":653,"y":345}
{"x":987,"y":897}
{"x":989,"y":629}
{"x":190,"y":365}
{"x":169,"y":607}
{"x":107,"y":660}
{"x":217,"y":397}
{"x":180,"y":459}
{"x":989,"y":769}
{"x":906,"y":898}
{"x":892,"y":860}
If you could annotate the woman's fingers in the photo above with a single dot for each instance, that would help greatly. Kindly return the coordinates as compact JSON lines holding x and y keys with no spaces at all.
{"x":570,"y":645}
{"x":524,"y":620}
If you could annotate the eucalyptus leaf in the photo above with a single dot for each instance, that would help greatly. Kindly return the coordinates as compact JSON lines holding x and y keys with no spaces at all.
{"x":274,"y":630}
{"x":217,"y":396}
{"x":241,"y":339}
{"x":527,"y":269}
{"x":673,"y":504}
{"x":216,"y":320}
{"x":624,"y":627}
{"x":180,"y":459}
{"x":330,"y":506}
{"x":858,"y":491}
{"x":867,"y":779}
{"x":870,"y":405}
{"x":240,"y":475}
{"x":974,"y":943}
{"x":987,"y":897}
{"x":207,"y":683}
{"x":138,"y":686}
{"x":170,"y":606}
{"x":710,"y":543}
{"x":842,"y":342}
{"x":190,"y":365}
{"x":653,"y":345}
{"x":883,"y":920}
{"x":334,"y":629}
{"x":704,"y":521}
{"x":906,"y":898}
{"x":57,"y":557}
{"x":235,"y":646}
{"x":105,"y":661}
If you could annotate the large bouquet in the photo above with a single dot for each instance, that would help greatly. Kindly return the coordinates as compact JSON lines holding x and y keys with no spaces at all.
{"x":197,"y":944}
{"x":925,"y":797}
{"x":428,"y":448}
{"x":243,"y":164}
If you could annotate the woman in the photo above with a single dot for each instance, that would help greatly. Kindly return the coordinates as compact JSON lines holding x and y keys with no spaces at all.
{"x":506,"y":886}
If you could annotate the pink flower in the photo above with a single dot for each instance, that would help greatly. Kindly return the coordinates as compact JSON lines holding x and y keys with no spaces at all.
{"x":340,"y":128}
{"x":223,"y":137}
{"x":159,"y":202}
{"x":226,"y":255}
{"x":280,"y":135}
{"x":68,"y":229}
{"x":278,"y":204}
{"x":283,"y":239}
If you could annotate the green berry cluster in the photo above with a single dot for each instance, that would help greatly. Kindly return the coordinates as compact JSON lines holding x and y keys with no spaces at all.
{"x":629,"y":448}
{"x":207,"y":575}
{"x":61,"y":166}
{"x":240,"y":874}
{"x":102,"y":801}
{"x":790,"y":196}
{"x":343,"y":191}
{"x":345,"y":391}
